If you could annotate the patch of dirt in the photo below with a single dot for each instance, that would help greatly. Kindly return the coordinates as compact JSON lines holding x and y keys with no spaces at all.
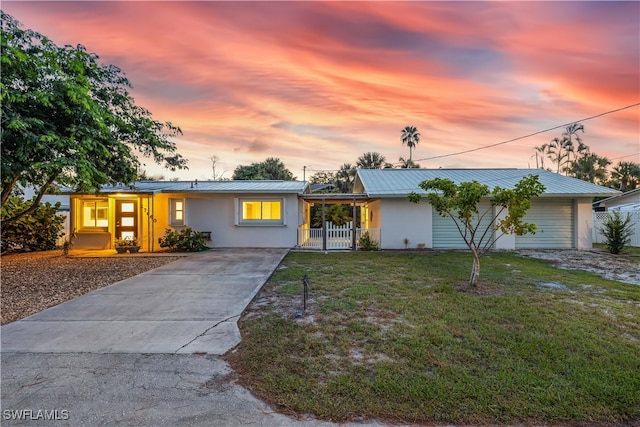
{"x":32,"y":282}
{"x":622,"y":268}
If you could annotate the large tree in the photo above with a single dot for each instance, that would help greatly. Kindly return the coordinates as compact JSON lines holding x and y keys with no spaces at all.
{"x":345,"y":177}
{"x":411,"y":137}
{"x":371,"y":160}
{"x":625,"y":176}
{"x":590,"y":167}
{"x":271,"y":168}
{"x":70,"y":120}
{"x":460,"y":203}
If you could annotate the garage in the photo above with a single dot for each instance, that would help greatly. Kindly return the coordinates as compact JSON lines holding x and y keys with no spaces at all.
{"x":554,"y":219}
{"x":446,"y":234}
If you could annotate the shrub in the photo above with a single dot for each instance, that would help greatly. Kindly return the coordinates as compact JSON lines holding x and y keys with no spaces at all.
{"x":367,"y":243}
{"x":38,"y":231}
{"x":185,"y":240}
{"x":617,"y":231}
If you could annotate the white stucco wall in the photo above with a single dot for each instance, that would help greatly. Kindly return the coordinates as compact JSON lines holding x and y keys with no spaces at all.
{"x":583,"y":223}
{"x":402,"y":219}
{"x":216,"y":213}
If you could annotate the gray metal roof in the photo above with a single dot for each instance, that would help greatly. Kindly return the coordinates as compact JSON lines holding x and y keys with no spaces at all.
{"x":150,"y":187}
{"x":401,"y":182}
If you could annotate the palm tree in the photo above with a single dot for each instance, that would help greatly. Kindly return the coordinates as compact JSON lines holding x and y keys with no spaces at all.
{"x":590,"y":167}
{"x":371,"y":160}
{"x":569,"y":133}
{"x":541,"y":152}
{"x":626,"y":176}
{"x":345,"y":177}
{"x":411,"y":137}
{"x":408,"y":164}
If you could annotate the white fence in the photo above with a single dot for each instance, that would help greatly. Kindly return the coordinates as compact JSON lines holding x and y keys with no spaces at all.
{"x":599,"y":219}
{"x":338,"y":237}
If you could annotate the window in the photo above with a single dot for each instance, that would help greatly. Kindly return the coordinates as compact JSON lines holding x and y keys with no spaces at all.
{"x":176,"y":211}
{"x":95,"y":214}
{"x":260,"y":212}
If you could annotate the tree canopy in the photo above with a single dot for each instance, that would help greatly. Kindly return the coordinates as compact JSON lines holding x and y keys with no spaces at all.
{"x":70,"y":120}
{"x":460,"y":203}
{"x":271,"y":168}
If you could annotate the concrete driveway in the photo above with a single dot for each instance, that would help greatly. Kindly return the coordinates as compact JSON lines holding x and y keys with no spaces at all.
{"x":142,"y":352}
{"x":189,"y":306}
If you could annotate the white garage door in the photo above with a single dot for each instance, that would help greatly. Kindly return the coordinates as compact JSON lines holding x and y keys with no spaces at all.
{"x":554,"y":219}
{"x":446,"y":234}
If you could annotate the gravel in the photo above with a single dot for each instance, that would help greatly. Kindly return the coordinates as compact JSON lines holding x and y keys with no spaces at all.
{"x":31,"y":282}
{"x":622,"y":268}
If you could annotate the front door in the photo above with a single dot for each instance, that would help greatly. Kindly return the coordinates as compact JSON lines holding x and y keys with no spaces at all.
{"x":126,"y":219}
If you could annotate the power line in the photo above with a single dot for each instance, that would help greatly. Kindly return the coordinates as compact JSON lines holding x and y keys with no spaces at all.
{"x":530,"y":135}
{"x":628,"y":155}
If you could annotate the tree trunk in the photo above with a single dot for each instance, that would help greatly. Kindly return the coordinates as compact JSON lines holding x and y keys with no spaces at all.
{"x":475,"y":271}
{"x":36,"y":202}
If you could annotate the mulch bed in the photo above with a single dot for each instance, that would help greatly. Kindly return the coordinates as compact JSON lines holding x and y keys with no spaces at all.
{"x":32,"y":282}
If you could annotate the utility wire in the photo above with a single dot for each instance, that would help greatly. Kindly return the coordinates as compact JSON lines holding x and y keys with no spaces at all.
{"x":511,"y":140}
{"x":530,"y":135}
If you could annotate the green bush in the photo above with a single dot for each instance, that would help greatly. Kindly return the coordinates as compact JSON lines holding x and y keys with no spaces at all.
{"x":617,"y":231}
{"x":38,"y":231}
{"x":185,"y":240}
{"x":367,"y":243}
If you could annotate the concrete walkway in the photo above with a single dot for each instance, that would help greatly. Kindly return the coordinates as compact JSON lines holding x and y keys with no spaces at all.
{"x":142,"y":352}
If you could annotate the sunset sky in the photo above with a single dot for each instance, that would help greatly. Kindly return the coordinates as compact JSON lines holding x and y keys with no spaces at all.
{"x":319,"y":83}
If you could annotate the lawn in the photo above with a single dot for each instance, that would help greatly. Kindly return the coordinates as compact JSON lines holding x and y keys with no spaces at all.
{"x":392,"y":336}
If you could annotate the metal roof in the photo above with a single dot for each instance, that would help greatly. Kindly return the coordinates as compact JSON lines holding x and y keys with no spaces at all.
{"x":401,"y":182}
{"x":150,"y":187}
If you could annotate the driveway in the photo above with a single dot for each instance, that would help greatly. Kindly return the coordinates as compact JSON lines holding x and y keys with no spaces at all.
{"x":188,"y":306}
{"x":144,"y":351}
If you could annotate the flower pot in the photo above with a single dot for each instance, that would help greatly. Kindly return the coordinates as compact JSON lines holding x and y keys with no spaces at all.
{"x":121,"y":249}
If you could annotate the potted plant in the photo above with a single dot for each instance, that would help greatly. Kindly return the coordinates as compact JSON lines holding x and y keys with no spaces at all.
{"x":127,"y":244}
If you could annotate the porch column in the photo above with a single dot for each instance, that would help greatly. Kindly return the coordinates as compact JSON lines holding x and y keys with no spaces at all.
{"x":324,"y":228}
{"x":353,"y":226}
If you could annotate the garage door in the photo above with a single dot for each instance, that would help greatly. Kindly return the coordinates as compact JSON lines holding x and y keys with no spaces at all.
{"x":554,"y":219}
{"x":446,"y":234}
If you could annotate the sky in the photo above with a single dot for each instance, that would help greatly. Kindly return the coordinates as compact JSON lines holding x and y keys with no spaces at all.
{"x":317,"y":84}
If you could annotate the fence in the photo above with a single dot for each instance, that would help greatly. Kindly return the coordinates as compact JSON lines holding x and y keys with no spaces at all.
{"x":599,"y":219}
{"x":338,"y":237}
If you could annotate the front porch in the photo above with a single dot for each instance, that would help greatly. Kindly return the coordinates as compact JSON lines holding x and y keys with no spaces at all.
{"x":332,"y":237}
{"x":318,"y":232}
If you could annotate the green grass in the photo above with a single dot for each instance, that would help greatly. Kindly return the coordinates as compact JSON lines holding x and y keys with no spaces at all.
{"x":628,"y":250}
{"x":390,"y":335}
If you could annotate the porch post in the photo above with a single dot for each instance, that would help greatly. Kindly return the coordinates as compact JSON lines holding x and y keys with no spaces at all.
{"x":353,"y":226}
{"x":324,"y":229}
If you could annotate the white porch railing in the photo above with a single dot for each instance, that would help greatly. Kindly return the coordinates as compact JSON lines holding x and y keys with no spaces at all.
{"x":338,"y":237}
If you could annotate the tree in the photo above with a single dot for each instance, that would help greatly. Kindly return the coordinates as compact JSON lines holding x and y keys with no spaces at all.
{"x":617,"y":231}
{"x":460,"y":203}
{"x":271,"y":168}
{"x":214,"y":163}
{"x":68,"y":119}
{"x":411,"y":137}
{"x":590,"y":167}
{"x":371,"y":160}
{"x":408,"y":164}
{"x":625,"y":176}
{"x":38,"y":230}
{"x":561,"y":150}
{"x":345,"y":177}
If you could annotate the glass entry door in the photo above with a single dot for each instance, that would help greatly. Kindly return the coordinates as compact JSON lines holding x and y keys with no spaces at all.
{"x":126,"y":219}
